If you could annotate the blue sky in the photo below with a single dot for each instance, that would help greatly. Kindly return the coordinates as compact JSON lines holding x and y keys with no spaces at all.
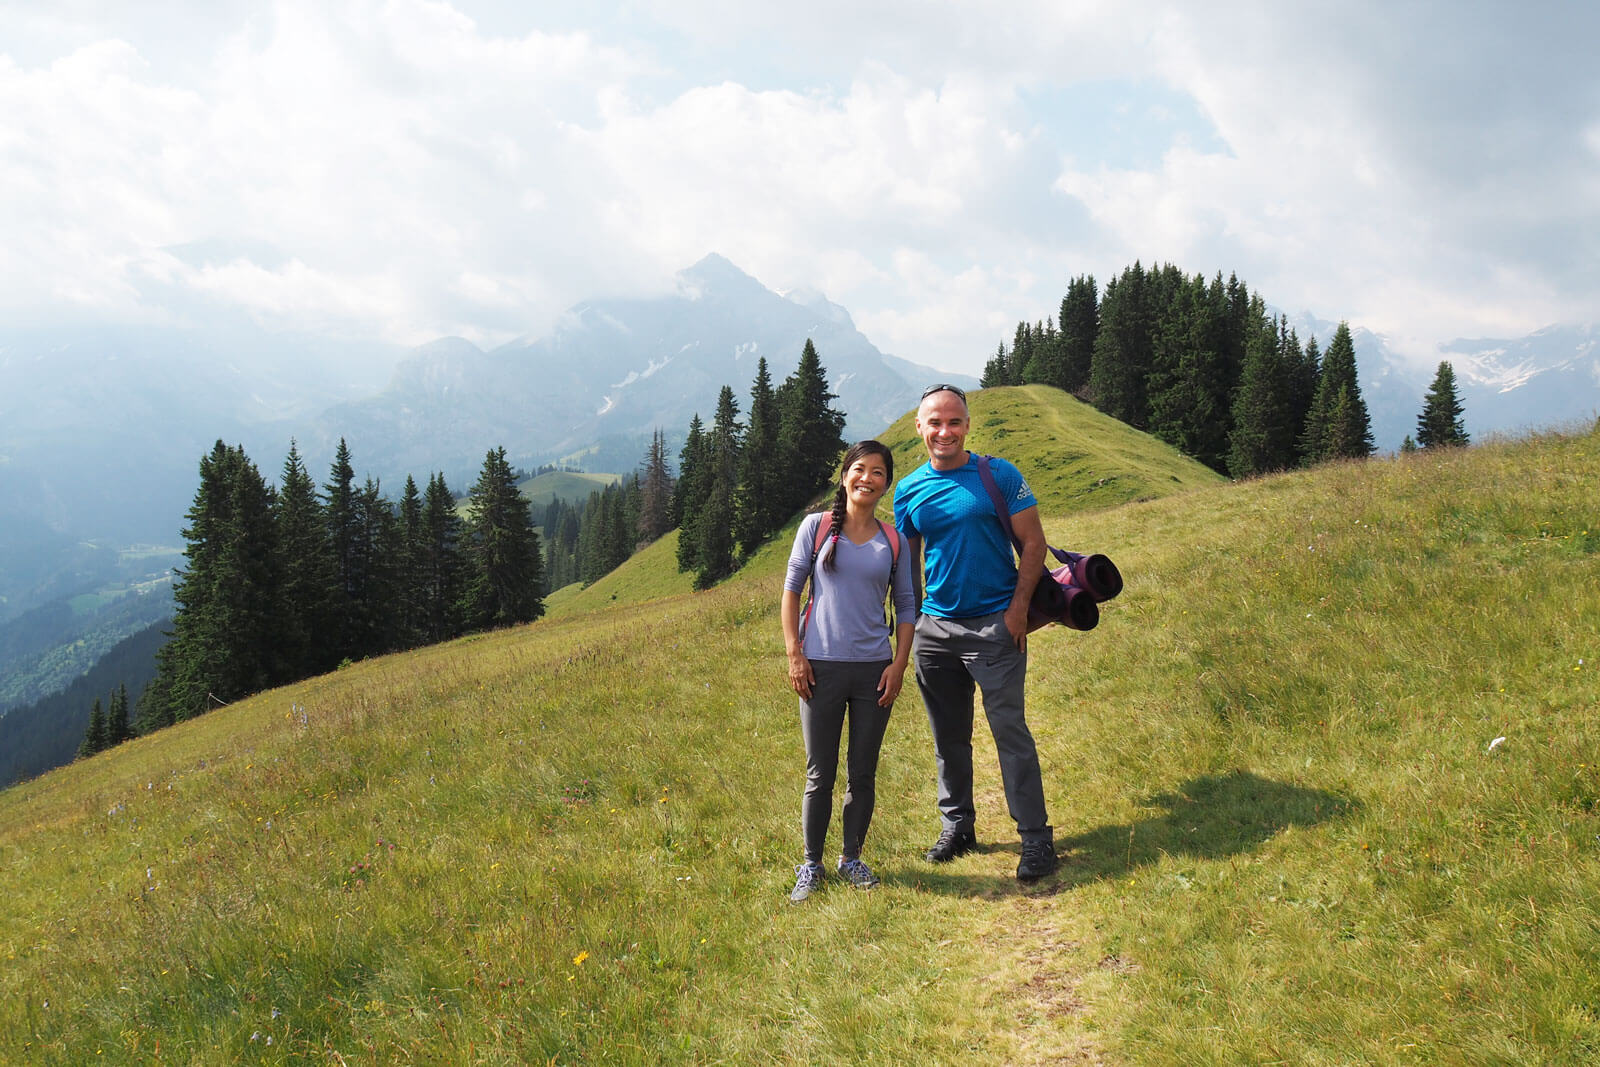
{"x":408,"y":170}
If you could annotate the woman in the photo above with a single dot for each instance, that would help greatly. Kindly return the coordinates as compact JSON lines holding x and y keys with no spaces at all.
{"x":839,"y":656}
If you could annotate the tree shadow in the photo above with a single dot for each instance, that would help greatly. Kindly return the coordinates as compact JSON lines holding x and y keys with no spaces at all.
{"x":1209,"y":817}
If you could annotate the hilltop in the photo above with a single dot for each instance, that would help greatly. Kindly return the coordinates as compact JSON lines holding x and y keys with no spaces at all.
{"x":1286,"y":833}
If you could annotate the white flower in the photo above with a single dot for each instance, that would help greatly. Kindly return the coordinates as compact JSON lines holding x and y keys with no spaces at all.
{"x":1496,"y":743}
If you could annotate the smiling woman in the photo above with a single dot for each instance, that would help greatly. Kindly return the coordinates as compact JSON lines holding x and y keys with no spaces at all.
{"x":839,"y":655}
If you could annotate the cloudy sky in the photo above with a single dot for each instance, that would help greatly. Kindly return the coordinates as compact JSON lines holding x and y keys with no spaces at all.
{"x":411,"y":169}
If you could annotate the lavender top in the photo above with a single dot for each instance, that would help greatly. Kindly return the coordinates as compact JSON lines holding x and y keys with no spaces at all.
{"x":847,"y":617}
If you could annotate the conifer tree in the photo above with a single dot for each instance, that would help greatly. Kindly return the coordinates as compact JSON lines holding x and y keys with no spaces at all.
{"x":118,"y":729}
{"x":305,"y":573}
{"x":343,"y":525}
{"x":995,"y":371}
{"x":810,"y":433}
{"x":655,"y":490}
{"x":713,"y":527}
{"x":226,"y":622}
{"x":1338,"y":426}
{"x":1261,"y":439}
{"x":413,"y":583}
{"x":1080,"y":325}
{"x":1440,"y":424}
{"x":1188,"y":385}
{"x":505,"y":583}
{"x":378,"y":605}
{"x":441,"y":566}
{"x":690,"y":494}
{"x":94,"y":738}
{"x":1121,"y":361}
{"x":759,"y":501}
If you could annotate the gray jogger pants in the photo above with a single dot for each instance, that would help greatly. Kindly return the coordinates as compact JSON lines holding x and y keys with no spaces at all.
{"x":843,"y":689}
{"x":954,"y":657}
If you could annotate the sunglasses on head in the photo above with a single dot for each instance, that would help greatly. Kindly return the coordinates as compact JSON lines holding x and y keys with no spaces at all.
{"x":956,"y":389}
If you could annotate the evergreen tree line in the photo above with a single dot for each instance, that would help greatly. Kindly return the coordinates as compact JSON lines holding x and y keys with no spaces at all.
{"x":1200,"y":365}
{"x":108,"y":728}
{"x":287,"y":582}
{"x":738,"y":483}
{"x":585,"y":543}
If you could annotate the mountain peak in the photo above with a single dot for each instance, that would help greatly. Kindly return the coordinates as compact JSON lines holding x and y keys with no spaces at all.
{"x":715,"y":275}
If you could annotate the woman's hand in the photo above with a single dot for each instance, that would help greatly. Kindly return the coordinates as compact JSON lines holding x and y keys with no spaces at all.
{"x":889,"y":684}
{"x":800,"y":677}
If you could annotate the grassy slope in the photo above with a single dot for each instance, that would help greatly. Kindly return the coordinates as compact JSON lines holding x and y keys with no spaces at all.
{"x":1284,"y":835}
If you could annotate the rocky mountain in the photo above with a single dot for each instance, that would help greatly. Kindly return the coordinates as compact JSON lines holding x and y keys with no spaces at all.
{"x":611,"y":372}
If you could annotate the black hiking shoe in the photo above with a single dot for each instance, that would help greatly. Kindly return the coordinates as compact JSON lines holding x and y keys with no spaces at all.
{"x":952,"y":843}
{"x":1038,"y":860}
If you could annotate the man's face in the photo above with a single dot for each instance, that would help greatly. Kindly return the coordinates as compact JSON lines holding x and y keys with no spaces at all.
{"x":942,"y":425}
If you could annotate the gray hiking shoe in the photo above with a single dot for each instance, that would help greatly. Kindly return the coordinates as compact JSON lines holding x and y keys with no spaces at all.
{"x":952,"y":843}
{"x":807,"y":879}
{"x":857,"y":874}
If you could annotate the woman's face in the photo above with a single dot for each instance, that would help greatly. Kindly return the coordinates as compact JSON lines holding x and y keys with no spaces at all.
{"x":866,"y":479}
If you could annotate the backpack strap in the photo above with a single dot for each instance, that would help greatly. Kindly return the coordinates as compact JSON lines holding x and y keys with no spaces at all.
{"x":993,"y":489}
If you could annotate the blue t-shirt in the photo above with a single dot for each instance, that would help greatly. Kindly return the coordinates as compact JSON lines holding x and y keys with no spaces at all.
{"x":847,"y":618}
{"x":968,"y":565}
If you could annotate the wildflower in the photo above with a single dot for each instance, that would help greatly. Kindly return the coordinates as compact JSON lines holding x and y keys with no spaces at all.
{"x":579,"y":958}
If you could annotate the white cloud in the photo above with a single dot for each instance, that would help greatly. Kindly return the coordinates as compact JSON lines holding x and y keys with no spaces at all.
{"x":413,"y":168}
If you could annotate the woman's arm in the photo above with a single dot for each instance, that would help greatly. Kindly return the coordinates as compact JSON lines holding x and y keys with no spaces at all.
{"x":800,"y":677}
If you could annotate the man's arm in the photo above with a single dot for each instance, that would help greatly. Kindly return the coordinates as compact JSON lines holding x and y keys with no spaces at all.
{"x":1030,"y":567}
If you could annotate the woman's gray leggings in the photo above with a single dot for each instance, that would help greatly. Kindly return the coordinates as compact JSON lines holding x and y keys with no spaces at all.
{"x":841,"y":687}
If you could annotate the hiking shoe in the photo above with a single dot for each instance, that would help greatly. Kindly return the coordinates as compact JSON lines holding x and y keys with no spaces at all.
{"x":1038,"y":860}
{"x":952,"y":843}
{"x":857,"y":874}
{"x":807,"y":878}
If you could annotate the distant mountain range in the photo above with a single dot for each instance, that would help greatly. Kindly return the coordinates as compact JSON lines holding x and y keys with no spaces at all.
{"x":612,"y":372}
{"x":101,"y":430}
{"x":1507,"y":386}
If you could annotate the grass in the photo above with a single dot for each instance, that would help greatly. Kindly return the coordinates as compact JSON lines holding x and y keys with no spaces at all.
{"x":1285,"y":834}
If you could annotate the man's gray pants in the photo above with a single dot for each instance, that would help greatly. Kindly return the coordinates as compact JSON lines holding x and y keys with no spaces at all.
{"x":953,"y":657}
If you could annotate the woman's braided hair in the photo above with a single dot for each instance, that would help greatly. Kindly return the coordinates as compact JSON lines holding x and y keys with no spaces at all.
{"x":856,"y":452}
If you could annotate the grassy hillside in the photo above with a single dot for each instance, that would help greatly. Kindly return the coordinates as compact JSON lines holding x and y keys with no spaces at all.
{"x":572,"y":486}
{"x":1286,"y":834}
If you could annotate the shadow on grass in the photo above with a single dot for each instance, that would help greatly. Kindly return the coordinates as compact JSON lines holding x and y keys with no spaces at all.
{"x":1210,"y":817}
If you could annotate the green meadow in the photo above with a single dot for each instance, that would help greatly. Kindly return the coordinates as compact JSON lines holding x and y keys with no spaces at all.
{"x":1325,"y":782}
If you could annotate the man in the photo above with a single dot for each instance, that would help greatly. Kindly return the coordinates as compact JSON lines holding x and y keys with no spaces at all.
{"x":973,"y":627}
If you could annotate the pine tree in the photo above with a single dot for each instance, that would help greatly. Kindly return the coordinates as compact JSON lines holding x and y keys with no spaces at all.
{"x":1338,"y":426}
{"x":118,"y":729}
{"x":1440,"y":425}
{"x":94,"y":738}
{"x":713,"y":527}
{"x":505,"y":584}
{"x":758,"y":503}
{"x":811,"y":431}
{"x":305,"y":573}
{"x":995,"y":371}
{"x":348,"y":579}
{"x":442,"y":565}
{"x":378,"y":601}
{"x":1262,"y":438}
{"x":655,"y":490}
{"x":1121,"y":363}
{"x":1188,"y":385}
{"x":690,"y":494}
{"x":1080,"y":325}
{"x":226,"y":622}
{"x":412,"y":586}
